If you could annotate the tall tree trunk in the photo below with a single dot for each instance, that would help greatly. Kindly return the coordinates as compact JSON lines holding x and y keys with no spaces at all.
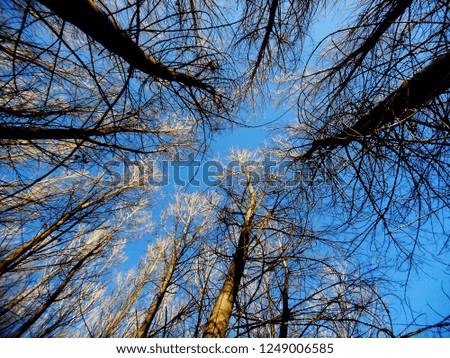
{"x":217,"y":324}
{"x":285,"y":312}
{"x":154,"y":307}
{"x":165,"y":284}
{"x":123,"y":311}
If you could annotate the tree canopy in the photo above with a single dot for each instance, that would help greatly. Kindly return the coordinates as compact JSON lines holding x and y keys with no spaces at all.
{"x":306,"y":236}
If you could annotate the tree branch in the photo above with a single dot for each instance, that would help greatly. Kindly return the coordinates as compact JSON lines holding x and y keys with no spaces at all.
{"x":413,"y":94}
{"x":90,"y":19}
{"x":265,"y":41}
{"x":398,"y":8}
{"x":358,"y":55}
{"x":39,"y":133}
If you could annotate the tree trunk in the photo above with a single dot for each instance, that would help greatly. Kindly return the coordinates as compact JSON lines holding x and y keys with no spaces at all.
{"x":285,"y":312}
{"x":154,"y":307}
{"x":217,"y":324}
{"x":412,"y":94}
{"x":24,"y":251}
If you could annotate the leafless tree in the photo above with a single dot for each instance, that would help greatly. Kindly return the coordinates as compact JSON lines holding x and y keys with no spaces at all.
{"x":58,"y":240}
{"x":376,"y":108}
{"x":192,"y":217}
{"x":304,"y":251}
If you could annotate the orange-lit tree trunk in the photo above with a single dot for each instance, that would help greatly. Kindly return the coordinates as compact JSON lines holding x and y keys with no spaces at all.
{"x":165,"y":284}
{"x":219,"y":319}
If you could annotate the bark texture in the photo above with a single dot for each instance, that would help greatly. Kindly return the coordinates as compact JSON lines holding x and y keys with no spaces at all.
{"x":218,"y":322}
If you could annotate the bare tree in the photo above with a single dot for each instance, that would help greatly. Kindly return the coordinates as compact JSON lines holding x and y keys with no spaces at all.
{"x":255,"y":210}
{"x":376,"y":110}
{"x":80,"y":85}
{"x":53,"y":289}
{"x":58,"y":240}
{"x":191,"y":216}
{"x":303,"y":251}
